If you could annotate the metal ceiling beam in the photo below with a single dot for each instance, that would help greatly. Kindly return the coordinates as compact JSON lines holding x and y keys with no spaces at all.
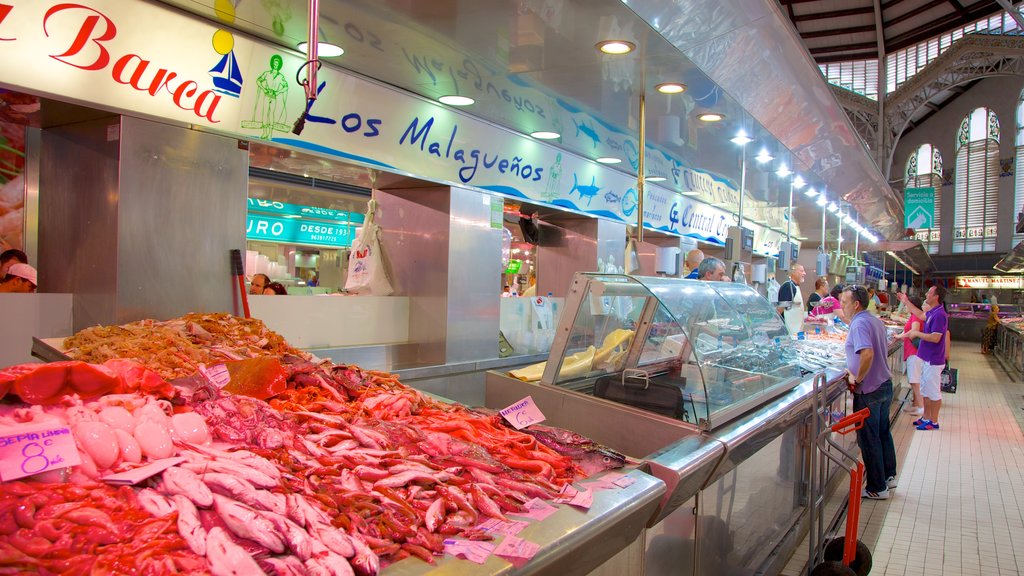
{"x":834,"y":14}
{"x":847,"y":57}
{"x":959,"y":8}
{"x":915,"y":12}
{"x":837,"y":31}
{"x":791,"y":2}
{"x":890,"y":4}
{"x":976,"y":11}
{"x":842,"y":48}
{"x":1014,"y":12}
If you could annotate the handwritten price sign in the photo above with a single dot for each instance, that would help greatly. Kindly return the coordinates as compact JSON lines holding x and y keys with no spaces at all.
{"x":28,"y":450}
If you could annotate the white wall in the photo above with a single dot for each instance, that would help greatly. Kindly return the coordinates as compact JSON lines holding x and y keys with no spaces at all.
{"x":998,"y":93}
{"x":28,"y":315}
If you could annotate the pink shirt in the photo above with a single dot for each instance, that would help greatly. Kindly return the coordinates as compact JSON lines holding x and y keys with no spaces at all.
{"x":908,"y":346}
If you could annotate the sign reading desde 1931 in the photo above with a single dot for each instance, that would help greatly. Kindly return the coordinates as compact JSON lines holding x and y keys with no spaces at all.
{"x":296,"y":231}
{"x":283,"y":208}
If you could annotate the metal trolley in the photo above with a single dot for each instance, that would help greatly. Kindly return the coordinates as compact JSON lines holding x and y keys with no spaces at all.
{"x":845,"y":555}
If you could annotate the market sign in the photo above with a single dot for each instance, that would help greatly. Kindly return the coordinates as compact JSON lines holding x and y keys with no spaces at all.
{"x":283,"y":208}
{"x":514,"y":265}
{"x":297,"y":231}
{"x":151,"y":60}
{"x":919,"y":208}
{"x":990,"y":282}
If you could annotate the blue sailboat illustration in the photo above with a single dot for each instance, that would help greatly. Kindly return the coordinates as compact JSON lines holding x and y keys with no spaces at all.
{"x":227,"y":78}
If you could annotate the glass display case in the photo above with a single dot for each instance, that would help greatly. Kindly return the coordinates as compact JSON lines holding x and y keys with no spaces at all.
{"x":699,"y":352}
{"x":976,"y":310}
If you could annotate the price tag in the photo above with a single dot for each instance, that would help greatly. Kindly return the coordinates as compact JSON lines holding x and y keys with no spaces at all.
{"x":516,"y":550}
{"x":508,"y":528}
{"x":141,"y":473}
{"x":472,"y":550}
{"x":217,"y":375}
{"x":523,"y":413}
{"x":536,"y":509}
{"x":31,"y":449}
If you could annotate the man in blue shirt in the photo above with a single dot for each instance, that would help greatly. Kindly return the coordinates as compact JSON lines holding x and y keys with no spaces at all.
{"x":693,"y":259}
{"x":871,"y":383}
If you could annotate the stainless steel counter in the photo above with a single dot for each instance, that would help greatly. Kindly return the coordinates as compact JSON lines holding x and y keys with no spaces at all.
{"x":573,"y":542}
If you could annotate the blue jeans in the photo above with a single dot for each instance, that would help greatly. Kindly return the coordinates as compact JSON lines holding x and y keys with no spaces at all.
{"x":875,"y":438}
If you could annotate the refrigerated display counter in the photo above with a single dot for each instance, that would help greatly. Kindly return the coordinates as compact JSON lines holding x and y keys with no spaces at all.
{"x":695,"y":380}
{"x":967,"y":319}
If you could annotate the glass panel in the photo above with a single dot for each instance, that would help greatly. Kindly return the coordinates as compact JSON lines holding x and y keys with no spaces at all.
{"x":738,"y":338}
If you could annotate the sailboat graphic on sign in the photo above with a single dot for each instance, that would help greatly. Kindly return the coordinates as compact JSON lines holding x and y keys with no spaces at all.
{"x":227,"y":78}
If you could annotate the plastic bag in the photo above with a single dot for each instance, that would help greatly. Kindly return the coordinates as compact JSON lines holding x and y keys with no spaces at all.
{"x":367,"y":266}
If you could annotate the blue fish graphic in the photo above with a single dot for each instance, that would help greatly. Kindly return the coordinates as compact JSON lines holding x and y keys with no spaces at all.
{"x":585,"y":191}
{"x":611,"y":197}
{"x":587,"y":131}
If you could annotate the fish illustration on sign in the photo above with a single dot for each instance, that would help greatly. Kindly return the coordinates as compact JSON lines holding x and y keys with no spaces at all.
{"x":587,"y":192}
{"x":629,"y":202}
{"x":587,"y":131}
{"x":611,"y":197}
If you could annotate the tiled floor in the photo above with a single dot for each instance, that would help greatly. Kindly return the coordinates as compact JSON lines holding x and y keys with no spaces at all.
{"x":959,"y":508}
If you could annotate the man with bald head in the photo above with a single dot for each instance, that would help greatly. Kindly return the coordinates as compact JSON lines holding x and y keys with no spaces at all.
{"x":693,"y":259}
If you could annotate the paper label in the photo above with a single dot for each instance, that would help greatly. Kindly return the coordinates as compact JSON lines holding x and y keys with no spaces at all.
{"x":523,"y":413}
{"x":536,"y":509}
{"x":610,"y":481}
{"x":578,"y":498}
{"x":217,"y":375}
{"x":31,"y":449}
{"x":506,"y":527}
{"x":472,"y":550}
{"x":516,"y":550}
{"x":543,"y":312}
{"x":136,"y":475}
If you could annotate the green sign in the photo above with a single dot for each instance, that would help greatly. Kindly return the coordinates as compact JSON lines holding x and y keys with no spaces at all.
{"x":919,"y":208}
{"x":514,"y":266}
{"x":497,"y":213}
{"x":298,"y":231}
{"x":272,"y":207}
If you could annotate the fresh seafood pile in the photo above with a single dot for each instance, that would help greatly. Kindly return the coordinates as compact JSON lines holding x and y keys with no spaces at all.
{"x":176,"y":348}
{"x":281,"y":465}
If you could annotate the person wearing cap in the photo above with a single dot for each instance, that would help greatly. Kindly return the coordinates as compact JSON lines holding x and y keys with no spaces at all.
{"x":9,"y":258}
{"x":19,"y":278}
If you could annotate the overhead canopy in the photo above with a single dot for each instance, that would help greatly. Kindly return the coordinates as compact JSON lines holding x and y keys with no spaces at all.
{"x":523,"y":61}
{"x":910,"y":253}
{"x":1013,"y":261}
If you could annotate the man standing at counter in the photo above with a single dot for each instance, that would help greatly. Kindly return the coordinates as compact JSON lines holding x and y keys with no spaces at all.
{"x":791,"y":302}
{"x":711,"y":270}
{"x":693,"y":259}
{"x":870,"y":381}
{"x":932,"y":352}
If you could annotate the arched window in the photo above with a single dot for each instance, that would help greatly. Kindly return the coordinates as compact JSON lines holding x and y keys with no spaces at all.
{"x":924,"y":170}
{"x":976,"y":183}
{"x":1018,"y":178}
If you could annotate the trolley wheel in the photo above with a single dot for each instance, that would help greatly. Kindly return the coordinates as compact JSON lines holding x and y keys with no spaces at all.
{"x":831,"y":568}
{"x":861,"y":564}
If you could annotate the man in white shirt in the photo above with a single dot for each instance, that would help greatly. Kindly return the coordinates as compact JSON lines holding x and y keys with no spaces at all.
{"x":791,"y":301}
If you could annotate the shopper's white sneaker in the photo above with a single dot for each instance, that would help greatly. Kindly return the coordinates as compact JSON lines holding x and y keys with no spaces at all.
{"x":883,"y":495}
{"x":913,"y":410}
{"x":891,"y":483}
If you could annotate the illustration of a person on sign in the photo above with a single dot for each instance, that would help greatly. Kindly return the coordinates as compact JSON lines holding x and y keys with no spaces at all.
{"x":271,"y":102}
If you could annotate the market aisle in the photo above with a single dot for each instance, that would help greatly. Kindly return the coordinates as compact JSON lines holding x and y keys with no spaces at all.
{"x":960,"y":503}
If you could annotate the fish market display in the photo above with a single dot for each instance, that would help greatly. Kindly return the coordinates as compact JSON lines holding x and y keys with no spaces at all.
{"x":268,"y":462}
{"x":176,"y":348}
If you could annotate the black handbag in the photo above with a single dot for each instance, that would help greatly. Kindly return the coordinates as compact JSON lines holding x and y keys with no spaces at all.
{"x":948,"y":380}
{"x":659,"y":394}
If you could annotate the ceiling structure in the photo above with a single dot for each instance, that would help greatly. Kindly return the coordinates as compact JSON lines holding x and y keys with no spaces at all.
{"x":845,"y":30}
